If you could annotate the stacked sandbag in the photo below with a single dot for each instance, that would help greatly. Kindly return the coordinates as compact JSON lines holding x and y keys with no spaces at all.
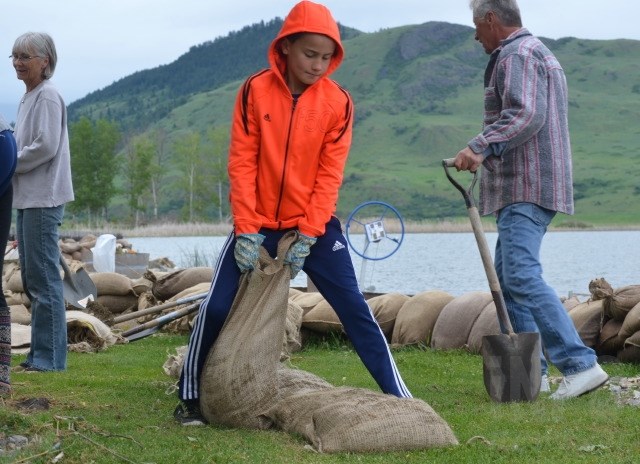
{"x":417,"y":317}
{"x":184,"y":325}
{"x":621,"y":301}
{"x":385,"y":310}
{"x":321,"y":318}
{"x":174,"y":282}
{"x":77,"y":249}
{"x":114,"y":291}
{"x":620,"y":331}
{"x":609,"y":341}
{"x":630,"y":333}
{"x":306,"y":300}
{"x":631,"y":351}
{"x":588,"y":318}
{"x":486,"y":324}
{"x":456,"y":320}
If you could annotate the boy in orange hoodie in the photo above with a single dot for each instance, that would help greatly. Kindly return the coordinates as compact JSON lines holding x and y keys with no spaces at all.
{"x":290,"y":138}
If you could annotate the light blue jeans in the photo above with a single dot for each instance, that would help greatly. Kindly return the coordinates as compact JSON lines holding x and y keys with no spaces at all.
{"x":37,"y":234}
{"x":533,"y":305}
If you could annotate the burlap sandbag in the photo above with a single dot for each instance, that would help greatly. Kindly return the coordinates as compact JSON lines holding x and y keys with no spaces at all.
{"x":609,"y":343}
{"x":322,"y":318}
{"x":631,"y":351}
{"x":385,"y":309}
{"x":621,"y":302}
{"x":12,"y":278}
{"x":83,"y":327}
{"x":454,"y":323}
{"x":239,"y":380}
{"x":296,"y":381}
{"x":141,"y":285}
{"x":118,"y":304}
{"x":486,"y":324}
{"x":600,"y":289}
{"x":292,"y":340}
{"x":588,"y":318}
{"x":345,"y":419}
{"x":16,"y":298}
{"x":173,"y":365}
{"x":306,"y":300}
{"x":69,"y":246}
{"x":112,"y":283}
{"x":202,"y":287}
{"x":293,"y":292}
{"x":417,"y":316}
{"x":88,"y":241}
{"x":631,"y":323}
{"x":177,"y":281}
{"x":20,"y":314}
{"x":570,"y":303}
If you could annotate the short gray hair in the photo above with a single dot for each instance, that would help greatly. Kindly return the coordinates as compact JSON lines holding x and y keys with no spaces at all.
{"x":507,"y":11}
{"x":39,"y":44}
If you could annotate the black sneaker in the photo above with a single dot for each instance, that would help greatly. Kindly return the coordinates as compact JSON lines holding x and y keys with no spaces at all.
{"x":188,"y":413}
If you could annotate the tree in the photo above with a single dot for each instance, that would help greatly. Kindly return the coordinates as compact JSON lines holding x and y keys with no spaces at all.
{"x":138,"y":173}
{"x":191,"y":163}
{"x":93,"y":164}
{"x":158,"y":169}
{"x":219,"y":142}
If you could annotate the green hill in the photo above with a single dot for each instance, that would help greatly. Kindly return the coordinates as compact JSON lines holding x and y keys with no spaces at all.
{"x":418,"y":96}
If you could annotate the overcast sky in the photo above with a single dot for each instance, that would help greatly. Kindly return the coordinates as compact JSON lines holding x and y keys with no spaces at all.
{"x":100,"y":42}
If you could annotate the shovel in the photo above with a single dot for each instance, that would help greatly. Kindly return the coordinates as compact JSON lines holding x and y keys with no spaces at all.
{"x":510,"y":362}
{"x":78,"y":289}
{"x":158,"y":308}
{"x":151,"y":327}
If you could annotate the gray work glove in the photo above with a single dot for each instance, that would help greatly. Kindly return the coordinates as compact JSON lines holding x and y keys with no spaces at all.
{"x":246,"y":251}
{"x":298,"y":252}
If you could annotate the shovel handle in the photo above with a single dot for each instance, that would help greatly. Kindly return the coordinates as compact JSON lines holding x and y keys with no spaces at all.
{"x":483,"y":246}
{"x":162,"y":320}
{"x":158,"y":308}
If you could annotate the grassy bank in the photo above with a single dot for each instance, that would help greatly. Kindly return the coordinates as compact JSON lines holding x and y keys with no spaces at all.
{"x":116,"y":406}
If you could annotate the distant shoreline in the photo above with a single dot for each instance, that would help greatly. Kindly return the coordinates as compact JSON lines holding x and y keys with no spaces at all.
{"x":221,"y":229}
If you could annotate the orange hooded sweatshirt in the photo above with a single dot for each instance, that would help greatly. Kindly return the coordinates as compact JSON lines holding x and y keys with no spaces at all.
{"x":286,"y":156}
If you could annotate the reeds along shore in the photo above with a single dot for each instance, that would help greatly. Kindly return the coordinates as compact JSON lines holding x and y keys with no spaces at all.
{"x":172,"y":229}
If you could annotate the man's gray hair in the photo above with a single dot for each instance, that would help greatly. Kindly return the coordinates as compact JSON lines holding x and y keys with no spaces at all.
{"x":507,"y":11}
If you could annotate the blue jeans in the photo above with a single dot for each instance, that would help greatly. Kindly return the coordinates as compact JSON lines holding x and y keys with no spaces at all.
{"x":37,"y":234}
{"x":533,"y":306}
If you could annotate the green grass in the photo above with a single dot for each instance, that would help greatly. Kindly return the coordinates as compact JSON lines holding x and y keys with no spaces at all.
{"x":117,"y":405}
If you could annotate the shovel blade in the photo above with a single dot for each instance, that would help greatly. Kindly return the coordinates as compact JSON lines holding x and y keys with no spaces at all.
{"x":78,"y":288}
{"x":511,"y":366}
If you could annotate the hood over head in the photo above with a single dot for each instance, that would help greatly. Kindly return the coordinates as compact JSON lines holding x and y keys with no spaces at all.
{"x":307,"y":16}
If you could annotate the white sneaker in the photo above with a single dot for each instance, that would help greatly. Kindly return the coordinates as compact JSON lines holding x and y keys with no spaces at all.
{"x":580,"y":383}
{"x":544,"y":384}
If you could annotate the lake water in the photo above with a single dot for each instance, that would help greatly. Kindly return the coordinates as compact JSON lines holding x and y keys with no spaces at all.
{"x":451,"y":261}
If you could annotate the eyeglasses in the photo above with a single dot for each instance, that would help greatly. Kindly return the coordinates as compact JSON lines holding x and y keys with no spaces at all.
{"x":23,"y":58}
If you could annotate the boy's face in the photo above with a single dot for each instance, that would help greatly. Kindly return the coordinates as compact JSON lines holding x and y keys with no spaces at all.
{"x":308,"y":59}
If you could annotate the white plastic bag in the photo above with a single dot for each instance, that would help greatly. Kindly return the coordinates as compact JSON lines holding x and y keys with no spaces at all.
{"x":104,"y":253}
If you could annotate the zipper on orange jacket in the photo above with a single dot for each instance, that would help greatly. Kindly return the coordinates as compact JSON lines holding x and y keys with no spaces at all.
{"x":286,"y":155}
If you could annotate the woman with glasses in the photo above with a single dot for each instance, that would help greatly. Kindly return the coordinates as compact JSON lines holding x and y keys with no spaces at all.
{"x":41,"y":187}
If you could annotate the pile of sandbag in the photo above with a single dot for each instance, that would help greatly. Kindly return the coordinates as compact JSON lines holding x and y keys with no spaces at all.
{"x":117,"y":295}
{"x":610,"y":321}
{"x":72,"y":248}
